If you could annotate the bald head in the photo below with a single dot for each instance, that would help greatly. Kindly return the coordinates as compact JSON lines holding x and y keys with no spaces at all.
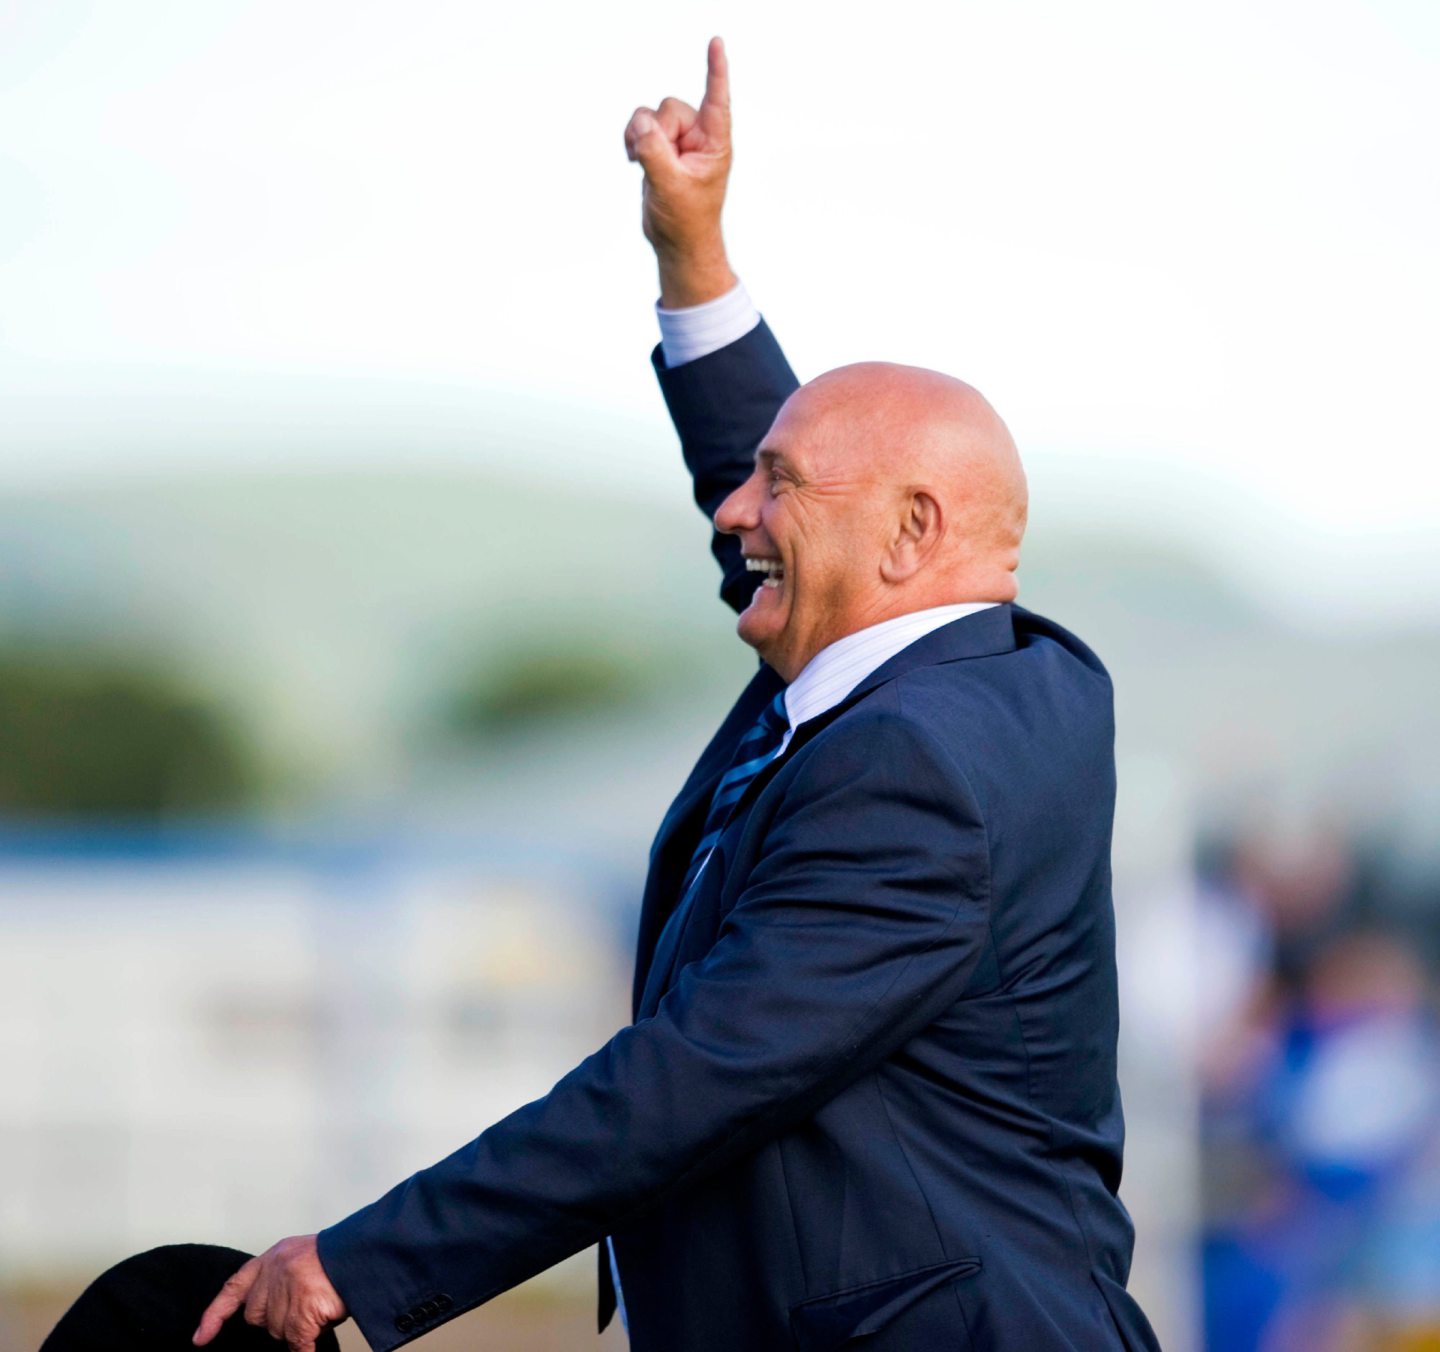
{"x":879,"y":490}
{"x":915,"y":430}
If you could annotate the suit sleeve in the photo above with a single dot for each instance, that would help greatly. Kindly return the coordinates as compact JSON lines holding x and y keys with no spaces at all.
{"x":861,"y":925}
{"x":722,"y":405}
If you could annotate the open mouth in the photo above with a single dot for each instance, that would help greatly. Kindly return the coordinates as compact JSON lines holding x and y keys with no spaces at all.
{"x":773,"y":569}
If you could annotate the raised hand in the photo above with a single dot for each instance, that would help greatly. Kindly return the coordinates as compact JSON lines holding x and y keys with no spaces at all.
{"x":685,"y":153}
{"x":284,"y":1290}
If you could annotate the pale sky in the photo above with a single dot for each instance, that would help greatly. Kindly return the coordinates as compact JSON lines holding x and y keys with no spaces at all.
{"x":1188,"y":250}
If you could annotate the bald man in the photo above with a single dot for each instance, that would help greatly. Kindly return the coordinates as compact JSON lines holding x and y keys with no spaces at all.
{"x":869,"y":1093}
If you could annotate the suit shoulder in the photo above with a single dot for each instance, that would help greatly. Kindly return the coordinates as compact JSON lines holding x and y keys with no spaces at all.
{"x":1036,"y":632}
{"x":1048,"y":665}
{"x":1048,"y":674}
{"x":1027,"y":722}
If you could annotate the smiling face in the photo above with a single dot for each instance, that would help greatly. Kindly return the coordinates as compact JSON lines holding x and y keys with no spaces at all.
{"x":879,"y":490}
{"x":811,"y":519}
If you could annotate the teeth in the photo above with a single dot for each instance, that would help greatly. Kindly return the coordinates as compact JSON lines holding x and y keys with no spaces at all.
{"x":773,"y":569}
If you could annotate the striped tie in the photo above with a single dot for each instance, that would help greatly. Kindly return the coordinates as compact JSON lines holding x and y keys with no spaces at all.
{"x":755,"y":751}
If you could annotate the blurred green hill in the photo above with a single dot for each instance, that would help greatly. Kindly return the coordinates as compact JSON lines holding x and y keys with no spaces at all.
{"x":408,"y":641}
{"x":86,"y":736}
{"x":343,"y":618}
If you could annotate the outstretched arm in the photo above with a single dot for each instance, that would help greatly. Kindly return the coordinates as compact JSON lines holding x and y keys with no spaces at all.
{"x":721,"y":403}
{"x":817,"y":975}
{"x":821,"y":970}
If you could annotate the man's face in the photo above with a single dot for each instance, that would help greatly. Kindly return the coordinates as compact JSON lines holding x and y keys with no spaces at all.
{"x":812,"y":521}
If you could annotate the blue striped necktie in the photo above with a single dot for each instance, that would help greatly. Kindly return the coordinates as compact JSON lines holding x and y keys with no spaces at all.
{"x":756,"y":749}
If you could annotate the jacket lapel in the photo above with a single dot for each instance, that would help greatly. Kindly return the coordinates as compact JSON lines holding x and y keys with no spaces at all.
{"x":680,"y":829}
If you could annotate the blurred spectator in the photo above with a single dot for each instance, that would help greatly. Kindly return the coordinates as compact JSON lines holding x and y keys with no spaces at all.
{"x":1320,"y":1109}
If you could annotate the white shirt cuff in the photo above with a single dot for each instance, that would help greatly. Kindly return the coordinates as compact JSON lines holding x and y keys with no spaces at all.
{"x":698,"y":330}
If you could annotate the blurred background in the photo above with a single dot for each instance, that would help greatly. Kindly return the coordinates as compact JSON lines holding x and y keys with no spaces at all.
{"x":356,"y":628}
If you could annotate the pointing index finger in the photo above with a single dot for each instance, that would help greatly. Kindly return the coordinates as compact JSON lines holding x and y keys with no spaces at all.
{"x":717,"y":76}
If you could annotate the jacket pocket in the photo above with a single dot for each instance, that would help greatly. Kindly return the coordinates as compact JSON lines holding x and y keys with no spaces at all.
{"x":825,"y":1322}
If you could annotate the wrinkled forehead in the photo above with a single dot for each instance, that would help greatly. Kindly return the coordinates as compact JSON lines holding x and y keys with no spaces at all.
{"x":813,"y":432}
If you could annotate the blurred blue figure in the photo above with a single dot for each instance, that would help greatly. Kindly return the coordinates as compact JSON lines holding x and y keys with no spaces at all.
{"x":1326,"y":1145}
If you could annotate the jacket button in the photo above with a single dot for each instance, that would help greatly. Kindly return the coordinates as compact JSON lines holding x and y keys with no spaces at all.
{"x":443,"y":1302}
{"x":404,"y":1323}
{"x":429,"y":1308}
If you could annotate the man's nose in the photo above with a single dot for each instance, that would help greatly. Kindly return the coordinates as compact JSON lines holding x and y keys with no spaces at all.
{"x":738,"y":512}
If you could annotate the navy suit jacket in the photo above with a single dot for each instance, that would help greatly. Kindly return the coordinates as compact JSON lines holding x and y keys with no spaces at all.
{"x":870,"y":1089}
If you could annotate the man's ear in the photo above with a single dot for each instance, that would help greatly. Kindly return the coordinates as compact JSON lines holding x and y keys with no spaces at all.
{"x":920,"y":530}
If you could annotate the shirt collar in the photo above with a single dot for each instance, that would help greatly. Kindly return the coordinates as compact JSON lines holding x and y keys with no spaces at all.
{"x":838,"y":668}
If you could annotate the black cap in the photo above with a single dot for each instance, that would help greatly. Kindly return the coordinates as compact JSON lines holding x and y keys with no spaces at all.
{"x":153,"y":1303}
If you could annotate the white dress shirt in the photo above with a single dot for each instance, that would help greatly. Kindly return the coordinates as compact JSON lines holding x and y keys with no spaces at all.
{"x":825,"y":680}
{"x":699,"y":330}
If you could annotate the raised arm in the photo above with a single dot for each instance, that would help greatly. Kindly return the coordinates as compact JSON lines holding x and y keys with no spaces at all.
{"x":724,"y":401}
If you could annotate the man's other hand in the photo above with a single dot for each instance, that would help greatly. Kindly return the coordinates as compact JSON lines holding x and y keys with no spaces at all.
{"x":284,"y":1291}
{"x":685,"y":153}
